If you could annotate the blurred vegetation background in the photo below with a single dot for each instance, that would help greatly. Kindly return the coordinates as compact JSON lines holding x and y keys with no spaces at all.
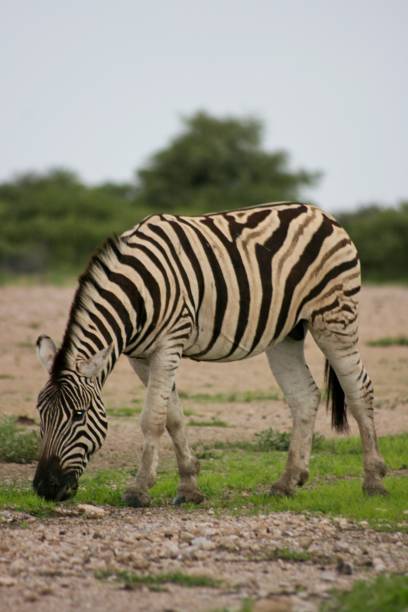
{"x":51,"y":223}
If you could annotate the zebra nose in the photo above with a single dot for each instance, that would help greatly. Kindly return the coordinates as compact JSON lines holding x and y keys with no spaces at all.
{"x":51,"y":482}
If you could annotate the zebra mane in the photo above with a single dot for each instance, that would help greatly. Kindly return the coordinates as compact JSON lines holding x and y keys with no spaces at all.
{"x":103,"y":258}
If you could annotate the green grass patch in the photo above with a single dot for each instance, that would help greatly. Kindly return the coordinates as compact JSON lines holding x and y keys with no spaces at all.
{"x":384,"y":594}
{"x":187,"y":412}
{"x":17,"y":445}
{"x":214,"y":422}
{"x":266,"y":440}
{"x":25,"y":344}
{"x":230,"y":397}
{"x":285,"y":554}
{"x":247,"y":605}
{"x":20,"y":496}
{"x":269,"y":439}
{"x":130,"y":580}
{"x":389,"y":341}
{"x":130,"y":411}
{"x":124,"y":411}
{"x":238,"y":479}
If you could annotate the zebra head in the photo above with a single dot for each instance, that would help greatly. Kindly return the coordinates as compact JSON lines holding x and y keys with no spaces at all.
{"x":73,"y":422}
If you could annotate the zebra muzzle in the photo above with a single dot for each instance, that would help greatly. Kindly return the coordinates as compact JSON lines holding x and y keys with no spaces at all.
{"x":52,"y":483}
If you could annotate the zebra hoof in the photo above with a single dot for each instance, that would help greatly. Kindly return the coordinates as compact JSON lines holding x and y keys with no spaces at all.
{"x":374,"y":488}
{"x":195,"y":497}
{"x":136,"y":499}
{"x":279,"y":490}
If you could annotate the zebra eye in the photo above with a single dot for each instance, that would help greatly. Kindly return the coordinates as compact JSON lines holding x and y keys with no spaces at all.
{"x":78,"y":415}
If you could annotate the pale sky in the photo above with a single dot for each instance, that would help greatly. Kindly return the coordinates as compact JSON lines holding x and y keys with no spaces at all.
{"x":97,"y":86}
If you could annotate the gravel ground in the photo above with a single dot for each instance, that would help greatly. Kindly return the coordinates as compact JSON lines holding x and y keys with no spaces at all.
{"x":48,"y":565}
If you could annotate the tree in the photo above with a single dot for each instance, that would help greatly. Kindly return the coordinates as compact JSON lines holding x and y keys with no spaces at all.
{"x":381,"y":236}
{"x":53,"y":221}
{"x":216,"y":164}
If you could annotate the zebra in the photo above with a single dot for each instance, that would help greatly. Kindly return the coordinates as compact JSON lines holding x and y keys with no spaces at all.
{"x":217,"y":287}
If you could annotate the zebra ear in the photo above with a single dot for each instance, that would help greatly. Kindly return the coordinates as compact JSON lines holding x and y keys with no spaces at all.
{"x":46,"y":351}
{"x":94,"y":365}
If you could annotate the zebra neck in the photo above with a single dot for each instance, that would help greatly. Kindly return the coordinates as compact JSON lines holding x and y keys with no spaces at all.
{"x":108,"y":310}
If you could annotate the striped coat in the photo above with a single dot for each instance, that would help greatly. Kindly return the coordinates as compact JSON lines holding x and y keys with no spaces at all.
{"x":223,"y":287}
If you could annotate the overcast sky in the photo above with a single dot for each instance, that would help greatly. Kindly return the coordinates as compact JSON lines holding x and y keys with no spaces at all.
{"x":97,"y":85}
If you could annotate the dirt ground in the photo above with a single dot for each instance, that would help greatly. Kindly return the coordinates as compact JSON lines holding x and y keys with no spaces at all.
{"x":26,"y":312}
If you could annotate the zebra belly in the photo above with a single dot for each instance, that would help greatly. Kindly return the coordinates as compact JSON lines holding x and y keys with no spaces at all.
{"x":222,"y":350}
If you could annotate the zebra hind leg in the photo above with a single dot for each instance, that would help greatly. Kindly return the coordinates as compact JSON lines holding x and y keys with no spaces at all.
{"x":288,"y":365}
{"x":346,"y":366}
{"x":188,"y":465}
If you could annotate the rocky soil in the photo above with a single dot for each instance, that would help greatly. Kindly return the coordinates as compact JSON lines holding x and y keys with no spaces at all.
{"x":48,"y":565}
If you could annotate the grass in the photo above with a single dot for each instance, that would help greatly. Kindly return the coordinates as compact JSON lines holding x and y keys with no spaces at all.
{"x":266,"y":440}
{"x":26,"y":344}
{"x":385,"y":593}
{"x":124,"y":411}
{"x":17,"y":445}
{"x":214,"y":422}
{"x":389,"y":341}
{"x":231,"y":397}
{"x":285,"y":554}
{"x":132,"y":581}
{"x":269,"y":439}
{"x":130,"y":411}
{"x":238,"y":480}
{"x":57,"y":278}
{"x":247,"y":605}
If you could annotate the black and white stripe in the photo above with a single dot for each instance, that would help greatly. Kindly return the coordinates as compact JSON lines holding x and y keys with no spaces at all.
{"x":228,"y":285}
{"x":216,"y":287}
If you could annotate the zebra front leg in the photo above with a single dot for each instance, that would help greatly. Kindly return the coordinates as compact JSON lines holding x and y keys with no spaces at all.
{"x":188,"y":465}
{"x":160,"y":382}
{"x":302,"y":395}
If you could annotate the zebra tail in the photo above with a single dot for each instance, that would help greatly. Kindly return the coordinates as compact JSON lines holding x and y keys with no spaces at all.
{"x":336,"y":398}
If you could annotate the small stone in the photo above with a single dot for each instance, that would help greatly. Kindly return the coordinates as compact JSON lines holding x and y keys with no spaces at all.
{"x":91,"y":511}
{"x":341,"y":546}
{"x":172,"y":550}
{"x":344,"y":567}
{"x":45,"y":590}
{"x":97,"y":565}
{"x":7,"y":581}
{"x":203,"y":543}
{"x":30,"y":596}
{"x":138,"y":562}
{"x":17,"y":567}
{"x":186,"y":536}
{"x":328,"y":576}
{"x":276,"y":604}
{"x":378,"y":564}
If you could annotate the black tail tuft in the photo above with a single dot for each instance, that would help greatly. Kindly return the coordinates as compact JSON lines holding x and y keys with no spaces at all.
{"x":336,"y":397}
